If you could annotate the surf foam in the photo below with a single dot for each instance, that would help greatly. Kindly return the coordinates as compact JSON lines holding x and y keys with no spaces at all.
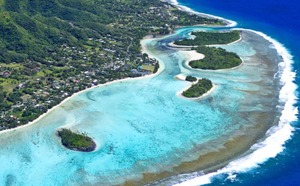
{"x":276,"y":136}
{"x":230,"y":23}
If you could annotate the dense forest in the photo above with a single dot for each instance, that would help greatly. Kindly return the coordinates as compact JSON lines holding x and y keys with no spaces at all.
{"x":190,"y":78}
{"x":31,"y":29}
{"x":50,"y":49}
{"x":76,"y":141}
{"x":198,"y":89}
{"x":210,"y":38}
{"x":215,"y":58}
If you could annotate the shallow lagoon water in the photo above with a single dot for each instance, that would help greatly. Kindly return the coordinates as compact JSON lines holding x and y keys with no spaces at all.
{"x":141,"y":125}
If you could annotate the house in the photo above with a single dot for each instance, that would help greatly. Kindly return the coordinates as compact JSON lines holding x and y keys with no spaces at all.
{"x":5,"y":74}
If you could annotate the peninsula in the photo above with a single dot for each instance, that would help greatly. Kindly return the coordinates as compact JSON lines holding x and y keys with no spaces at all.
{"x":52,"y":49}
{"x":147,"y":134}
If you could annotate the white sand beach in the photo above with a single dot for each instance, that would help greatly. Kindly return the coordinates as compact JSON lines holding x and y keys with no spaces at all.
{"x":179,"y":94}
{"x":144,"y":50}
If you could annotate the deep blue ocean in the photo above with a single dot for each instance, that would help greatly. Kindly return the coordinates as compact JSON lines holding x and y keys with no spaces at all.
{"x":279,"y":19}
{"x":140,"y":126}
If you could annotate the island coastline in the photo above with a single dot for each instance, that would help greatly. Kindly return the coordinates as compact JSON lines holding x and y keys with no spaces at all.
{"x":143,"y":50}
{"x":76,"y":141}
{"x":273,"y":132}
{"x":210,"y":157}
{"x":230,"y":23}
{"x":265,"y":132}
{"x":209,"y":92}
{"x":197,"y":56}
{"x":76,"y":94}
{"x":172,"y":44}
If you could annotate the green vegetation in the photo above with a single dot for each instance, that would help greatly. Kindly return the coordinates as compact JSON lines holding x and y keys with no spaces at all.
{"x":198,"y":89}
{"x":75,"y":141}
{"x":215,"y":58}
{"x":210,"y":38}
{"x":190,"y":78}
{"x":52,"y":49}
{"x":148,"y":67}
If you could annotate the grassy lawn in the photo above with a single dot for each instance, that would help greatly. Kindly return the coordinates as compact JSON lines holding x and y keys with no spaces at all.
{"x":12,"y":65}
{"x":8,"y":84}
{"x":148,"y":67}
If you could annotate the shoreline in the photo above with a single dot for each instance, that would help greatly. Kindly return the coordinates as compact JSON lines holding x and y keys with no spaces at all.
{"x":240,"y":39}
{"x":238,"y":152}
{"x":67,"y":99}
{"x":143,"y":50}
{"x":280,"y":132}
{"x":217,"y":70}
{"x":209,"y":92}
{"x":209,"y":156}
{"x":194,"y":55}
{"x":173,"y":45}
{"x":230,"y":23}
{"x":241,"y":160}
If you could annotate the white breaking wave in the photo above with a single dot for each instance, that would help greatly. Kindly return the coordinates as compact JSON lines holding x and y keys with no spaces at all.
{"x":276,"y":136}
{"x":173,"y":2}
{"x":230,"y":23}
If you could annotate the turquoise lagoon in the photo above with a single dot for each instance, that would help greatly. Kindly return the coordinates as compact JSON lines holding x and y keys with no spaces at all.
{"x":141,"y":125}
